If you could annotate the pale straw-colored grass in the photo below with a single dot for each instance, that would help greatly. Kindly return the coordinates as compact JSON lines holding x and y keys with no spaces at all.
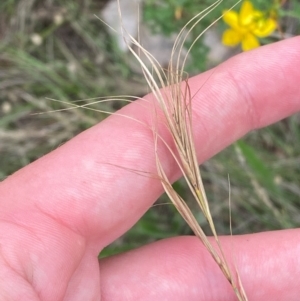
{"x":171,"y":90}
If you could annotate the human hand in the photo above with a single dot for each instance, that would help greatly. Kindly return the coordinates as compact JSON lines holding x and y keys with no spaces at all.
{"x":60,"y":211}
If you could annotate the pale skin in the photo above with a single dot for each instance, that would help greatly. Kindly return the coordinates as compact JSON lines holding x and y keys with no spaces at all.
{"x":57,"y":213}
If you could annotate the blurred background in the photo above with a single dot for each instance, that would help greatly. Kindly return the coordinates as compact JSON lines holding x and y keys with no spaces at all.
{"x":54,"y":54}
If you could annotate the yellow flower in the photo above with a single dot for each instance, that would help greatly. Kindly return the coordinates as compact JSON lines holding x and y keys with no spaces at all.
{"x":247,"y":27}
{"x":178,"y":12}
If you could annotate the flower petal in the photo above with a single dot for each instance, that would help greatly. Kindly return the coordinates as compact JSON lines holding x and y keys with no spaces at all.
{"x":264,"y":27}
{"x":250,"y":42}
{"x":246,"y":13}
{"x":231,"y":18}
{"x":231,"y":37}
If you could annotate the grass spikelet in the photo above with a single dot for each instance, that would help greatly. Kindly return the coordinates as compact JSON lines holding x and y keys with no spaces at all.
{"x":175,"y":101}
{"x":170,"y":88}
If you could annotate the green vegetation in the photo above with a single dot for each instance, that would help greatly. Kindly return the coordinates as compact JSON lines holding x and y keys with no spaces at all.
{"x":59,"y":50}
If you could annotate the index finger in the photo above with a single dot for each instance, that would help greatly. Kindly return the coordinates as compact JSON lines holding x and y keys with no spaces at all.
{"x":78,"y":185}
